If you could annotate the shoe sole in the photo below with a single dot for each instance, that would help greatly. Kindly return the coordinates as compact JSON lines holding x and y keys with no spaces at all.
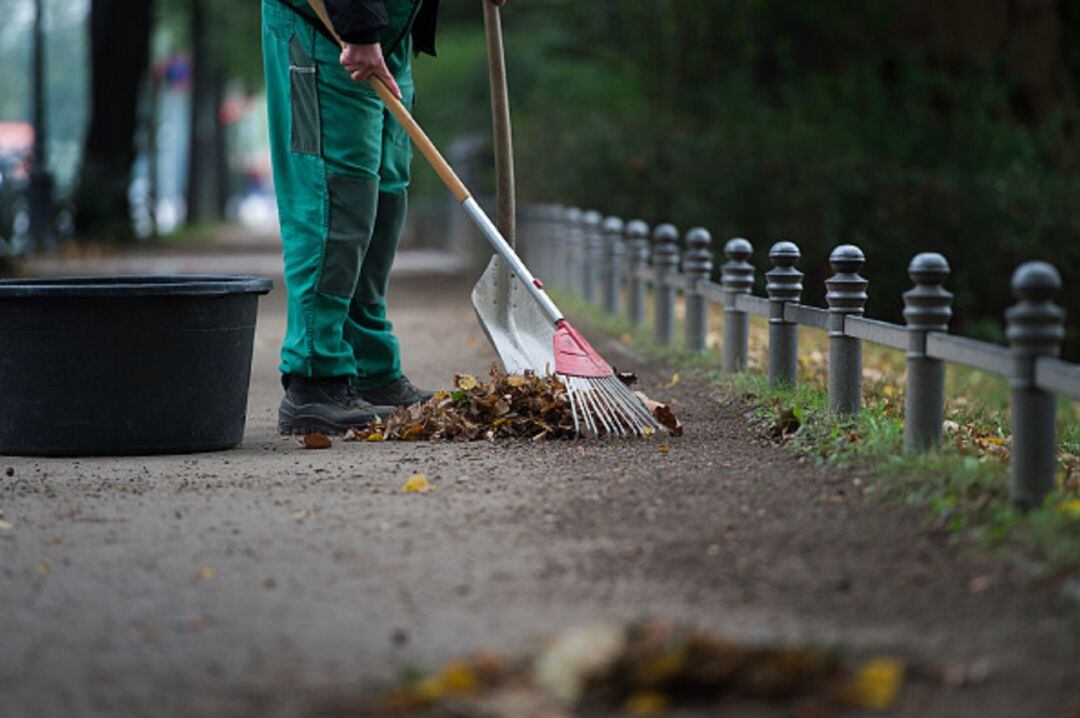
{"x":298,"y":422}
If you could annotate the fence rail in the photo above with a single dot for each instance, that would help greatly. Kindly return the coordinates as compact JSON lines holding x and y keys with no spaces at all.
{"x":618,"y":264}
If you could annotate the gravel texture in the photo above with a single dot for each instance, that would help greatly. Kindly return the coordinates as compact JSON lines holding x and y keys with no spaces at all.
{"x":269,"y":579}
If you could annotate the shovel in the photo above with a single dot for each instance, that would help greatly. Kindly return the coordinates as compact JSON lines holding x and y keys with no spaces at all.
{"x":528,"y":331}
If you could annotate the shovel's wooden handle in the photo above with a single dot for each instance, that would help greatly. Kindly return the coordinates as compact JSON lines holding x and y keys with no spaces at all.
{"x":397,"y":109}
{"x":500,"y":122}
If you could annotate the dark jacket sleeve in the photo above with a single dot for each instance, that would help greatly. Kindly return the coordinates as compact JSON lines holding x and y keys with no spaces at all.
{"x":358,"y":21}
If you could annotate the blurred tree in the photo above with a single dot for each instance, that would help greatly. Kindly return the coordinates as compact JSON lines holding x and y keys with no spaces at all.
{"x":119,"y":55}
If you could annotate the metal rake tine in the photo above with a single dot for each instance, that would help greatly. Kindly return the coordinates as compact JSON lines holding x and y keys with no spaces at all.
{"x":616,"y":407}
{"x":622,"y":411}
{"x":643,"y":413}
{"x":601,"y":407}
{"x":618,"y":398}
{"x":598,"y":407}
{"x":631,"y":403}
{"x":573,"y":410}
{"x":583,"y":402}
{"x":612,"y":407}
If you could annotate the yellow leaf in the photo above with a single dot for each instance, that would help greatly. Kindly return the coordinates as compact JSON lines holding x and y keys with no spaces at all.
{"x":674,"y":381}
{"x":44,"y":568}
{"x":876,"y":683}
{"x":207,"y":573}
{"x":465,"y":382}
{"x":374,"y":437}
{"x":418,"y":484}
{"x":458,"y":677}
{"x":1070,"y":509}
{"x":646,"y":703}
{"x":5,"y":526}
{"x":515,"y":380}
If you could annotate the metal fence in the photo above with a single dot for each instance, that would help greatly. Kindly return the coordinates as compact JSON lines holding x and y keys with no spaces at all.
{"x":617,"y":265}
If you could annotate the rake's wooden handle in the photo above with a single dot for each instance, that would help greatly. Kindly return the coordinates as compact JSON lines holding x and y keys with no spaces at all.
{"x":397,"y":109}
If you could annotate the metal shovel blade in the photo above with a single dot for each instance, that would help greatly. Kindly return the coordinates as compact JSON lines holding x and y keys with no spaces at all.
{"x":520,"y":332}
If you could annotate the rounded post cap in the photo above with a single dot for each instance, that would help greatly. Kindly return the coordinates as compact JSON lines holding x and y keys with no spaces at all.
{"x":572,"y":214}
{"x":665,"y":234}
{"x":785,"y":254}
{"x":592,"y":218}
{"x":929,"y":268}
{"x":637,"y":229}
{"x":738,"y":249}
{"x":613,"y":225}
{"x":698,"y":238}
{"x":1035,"y":281}
{"x":847,"y":259}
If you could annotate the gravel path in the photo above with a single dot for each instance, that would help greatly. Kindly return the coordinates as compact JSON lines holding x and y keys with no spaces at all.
{"x":261,"y":581}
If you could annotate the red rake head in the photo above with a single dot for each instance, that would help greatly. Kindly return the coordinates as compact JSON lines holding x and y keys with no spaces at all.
{"x":574,"y":356}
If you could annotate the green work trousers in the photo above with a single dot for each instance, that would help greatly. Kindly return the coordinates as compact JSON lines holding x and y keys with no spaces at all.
{"x":341,"y":170}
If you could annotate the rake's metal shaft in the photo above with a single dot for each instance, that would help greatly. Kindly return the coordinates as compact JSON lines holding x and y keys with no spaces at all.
{"x":605,"y":406}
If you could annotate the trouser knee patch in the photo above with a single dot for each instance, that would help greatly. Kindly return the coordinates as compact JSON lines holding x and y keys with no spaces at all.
{"x":352,"y":216}
{"x":389,"y":224}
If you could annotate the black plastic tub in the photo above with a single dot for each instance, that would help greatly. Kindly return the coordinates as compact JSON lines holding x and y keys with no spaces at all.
{"x":125,"y":365}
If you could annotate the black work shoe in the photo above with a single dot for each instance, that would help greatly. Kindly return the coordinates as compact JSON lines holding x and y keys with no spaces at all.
{"x":399,"y":392}
{"x":324,"y":404}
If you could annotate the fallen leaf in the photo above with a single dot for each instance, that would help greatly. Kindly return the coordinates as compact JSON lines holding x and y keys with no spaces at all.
{"x":646,"y":703}
{"x":465,"y":382}
{"x":206,"y":573}
{"x":673,"y":382}
{"x":662,"y":413}
{"x":44,"y":568}
{"x":316,"y":440}
{"x":876,"y":683}
{"x":626,"y":377}
{"x":1069,"y":509}
{"x":418,"y":484}
{"x":302,"y":514}
{"x":5,"y":526}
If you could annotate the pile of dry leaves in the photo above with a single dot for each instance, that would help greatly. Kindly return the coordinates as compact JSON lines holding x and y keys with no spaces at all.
{"x":644,"y":668}
{"x":507,"y":406}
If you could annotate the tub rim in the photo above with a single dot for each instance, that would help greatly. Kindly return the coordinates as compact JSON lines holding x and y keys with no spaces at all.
{"x":134,"y":285}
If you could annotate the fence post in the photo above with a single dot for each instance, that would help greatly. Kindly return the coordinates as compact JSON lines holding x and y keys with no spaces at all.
{"x":784,"y":285}
{"x":1035,"y":328}
{"x":697,"y":266}
{"x":571,"y":262}
{"x":846,"y":296}
{"x":737,"y":276}
{"x":666,"y":261}
{"x":613,"y":262}
{"x":593,"y":246}
{"x":926,"y":309}
{"x":637,"y":247}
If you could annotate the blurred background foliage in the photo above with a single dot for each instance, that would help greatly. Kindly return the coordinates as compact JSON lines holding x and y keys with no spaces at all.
{"x":898,"y":125}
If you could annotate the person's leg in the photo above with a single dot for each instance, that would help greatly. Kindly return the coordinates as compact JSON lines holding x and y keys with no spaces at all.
{"x":326,"y":147}
{"x":326,"y":186}
{"x":368,"y":330}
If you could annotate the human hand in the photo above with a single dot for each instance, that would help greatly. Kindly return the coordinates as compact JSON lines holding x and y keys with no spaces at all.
{"x":363,"y":61}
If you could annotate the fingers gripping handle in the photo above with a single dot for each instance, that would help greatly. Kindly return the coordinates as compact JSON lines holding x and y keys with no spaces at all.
{"x":397,"y":109}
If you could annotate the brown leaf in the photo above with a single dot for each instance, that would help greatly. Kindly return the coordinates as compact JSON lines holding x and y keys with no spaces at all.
{"x":316,"y":440}
{"x":663,"y":414}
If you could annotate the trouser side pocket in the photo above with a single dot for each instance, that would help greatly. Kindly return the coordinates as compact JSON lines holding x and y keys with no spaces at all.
{"x":304,"y":98}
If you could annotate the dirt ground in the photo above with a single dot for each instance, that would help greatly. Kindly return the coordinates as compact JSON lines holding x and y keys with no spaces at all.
{"x":267,"y":580}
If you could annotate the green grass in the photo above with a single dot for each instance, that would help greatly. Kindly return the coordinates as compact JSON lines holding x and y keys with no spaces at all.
{"x":964,"y":486}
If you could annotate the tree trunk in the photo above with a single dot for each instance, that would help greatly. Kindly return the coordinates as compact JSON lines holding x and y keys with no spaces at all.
{"x":119,"y":54}
{"x":205,"y":184}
